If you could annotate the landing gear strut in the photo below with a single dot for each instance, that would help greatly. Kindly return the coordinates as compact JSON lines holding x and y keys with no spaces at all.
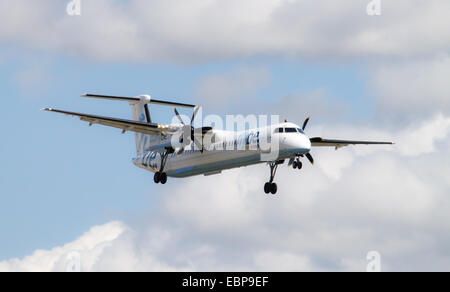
{"x":271,"y":187}
{"x":161,"y":176}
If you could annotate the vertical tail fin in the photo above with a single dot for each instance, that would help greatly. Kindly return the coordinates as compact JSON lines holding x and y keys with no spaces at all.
{"x":141,"y":113}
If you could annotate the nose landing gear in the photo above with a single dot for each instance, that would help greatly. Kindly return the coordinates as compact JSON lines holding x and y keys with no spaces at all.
{"x":297,"y":164}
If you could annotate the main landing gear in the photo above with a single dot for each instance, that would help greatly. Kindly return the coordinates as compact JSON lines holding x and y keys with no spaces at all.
{"x":271,"y":187}
{"x":161,"y":176}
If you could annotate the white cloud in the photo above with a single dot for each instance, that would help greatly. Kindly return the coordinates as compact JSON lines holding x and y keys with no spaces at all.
{"x":395,"y":202}
{"x":421,"y":138}
{"x":414,"y":87}
{"x":90,"y":246}
{"x":204,"y":30}
{"x":405,"y":49}
{"x":109,"y":247}
{"x":333,"y":164}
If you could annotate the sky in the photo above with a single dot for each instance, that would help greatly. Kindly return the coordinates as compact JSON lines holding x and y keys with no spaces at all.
{"x":66,"y":188}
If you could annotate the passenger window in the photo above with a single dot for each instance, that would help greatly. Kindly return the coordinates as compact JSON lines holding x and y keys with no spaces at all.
{"x":279,"y":130}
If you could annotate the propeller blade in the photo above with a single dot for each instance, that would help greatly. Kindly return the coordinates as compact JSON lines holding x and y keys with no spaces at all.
{"x":199,"y":144}
{"x":194,"y":114}
{"x":178,"y":116}
{"x":310,"y":158}
{"x":305,"y":123}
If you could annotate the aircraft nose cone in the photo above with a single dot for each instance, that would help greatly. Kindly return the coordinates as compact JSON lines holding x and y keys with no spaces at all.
{"x":298,"y":142}
{"x":306,"y":142}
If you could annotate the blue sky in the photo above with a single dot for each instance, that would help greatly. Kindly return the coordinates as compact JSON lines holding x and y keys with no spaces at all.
{"x":60,"y":177}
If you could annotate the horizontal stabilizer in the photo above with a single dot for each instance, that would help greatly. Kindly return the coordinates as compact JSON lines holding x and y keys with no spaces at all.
{"x":144,"y":99}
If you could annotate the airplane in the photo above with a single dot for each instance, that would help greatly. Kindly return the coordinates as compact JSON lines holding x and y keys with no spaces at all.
{"x":180,"y":150}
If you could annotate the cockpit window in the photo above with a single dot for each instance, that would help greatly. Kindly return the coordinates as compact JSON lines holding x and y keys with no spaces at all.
{"x":291,"y":130}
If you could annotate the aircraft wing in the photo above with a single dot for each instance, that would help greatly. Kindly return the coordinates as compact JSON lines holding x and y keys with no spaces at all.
{"x":321,"y":142}
{"x":125,"y":125}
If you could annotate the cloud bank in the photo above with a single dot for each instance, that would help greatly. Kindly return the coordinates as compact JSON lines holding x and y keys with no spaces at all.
{"x":199,"y":30}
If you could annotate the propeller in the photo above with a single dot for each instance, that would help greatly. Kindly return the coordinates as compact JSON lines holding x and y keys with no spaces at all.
{"x":308,"y":155}
{"x":305,"y":123}
{"x":310,"y":158}
{"x":178,"y":116}
{"x":190,"y":129}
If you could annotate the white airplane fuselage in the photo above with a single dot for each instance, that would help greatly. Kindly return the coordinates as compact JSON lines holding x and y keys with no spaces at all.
{"x":230,"y":150}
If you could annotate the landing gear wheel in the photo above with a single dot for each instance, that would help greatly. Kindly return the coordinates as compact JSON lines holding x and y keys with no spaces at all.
{"x":297,"y":164}
{"x":267,"y":188}
{"x":157,"y":178}
{"x":163,"y":178}
{"x":273,"y":188}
